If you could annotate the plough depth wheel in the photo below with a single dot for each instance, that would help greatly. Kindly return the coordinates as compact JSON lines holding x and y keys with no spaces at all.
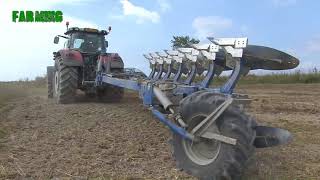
{"x":211,"y":159}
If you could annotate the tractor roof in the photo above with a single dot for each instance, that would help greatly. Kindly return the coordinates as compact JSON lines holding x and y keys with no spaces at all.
{"x":85,"y":30}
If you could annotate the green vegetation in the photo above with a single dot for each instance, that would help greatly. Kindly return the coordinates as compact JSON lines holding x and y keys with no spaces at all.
{"x":277,"y":78}
{"x":183,"y":41}
{"x":296,"y":77}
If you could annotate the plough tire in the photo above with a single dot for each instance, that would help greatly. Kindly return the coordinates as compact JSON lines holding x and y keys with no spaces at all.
{"x":211,"y":159}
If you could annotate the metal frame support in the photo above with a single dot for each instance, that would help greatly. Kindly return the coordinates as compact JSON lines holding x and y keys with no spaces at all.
{"x":159,"y":74}
{"x":178,"y":74}
{"x":207,"y":52}
{"x":153,"y":66}
{"x":168,"y":73}
{"x":168,"y":62}
{"x":176,"y":129}
{"x":209,"y":120}
{"x":153,"y":71}
{"x":232,"y":47}
{"x":159,"y":64}
{"x":174,"y":55}
{"x":146,"y":94}
{"x":190,"y":54}
{"x":229,"y":86}
{"x":209,"y":76}
{"x":200,"y":129}
{"x":191,"y":75}
{"x":124,"y":83}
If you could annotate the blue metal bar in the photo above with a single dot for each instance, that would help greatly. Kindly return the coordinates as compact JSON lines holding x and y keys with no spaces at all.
{"x":173,"y":127}
{"x":192,"y":74}
{"x":228,"y":87}
{"x":159,"y":74}
{"x":128,"y":84}
{"x":168,"y":73}
{"x":209,"y":76}
{"x":178,"y":73}
{"x":145,"y":88}
{"x":146,"y":94}
{"x":152,"y":72}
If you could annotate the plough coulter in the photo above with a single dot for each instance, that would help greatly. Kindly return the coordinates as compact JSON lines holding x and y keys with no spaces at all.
{"x":212,"y":136}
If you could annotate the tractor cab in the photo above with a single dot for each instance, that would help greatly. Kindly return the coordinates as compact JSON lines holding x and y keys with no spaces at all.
{"x":85,"y":40}
{"x":85,"y":51}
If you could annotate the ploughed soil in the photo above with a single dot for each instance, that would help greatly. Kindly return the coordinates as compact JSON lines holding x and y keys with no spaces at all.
{"x":85,"y":140}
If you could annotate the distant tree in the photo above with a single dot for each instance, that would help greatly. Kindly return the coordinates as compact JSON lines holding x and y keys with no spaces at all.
{"x":183,"y":41}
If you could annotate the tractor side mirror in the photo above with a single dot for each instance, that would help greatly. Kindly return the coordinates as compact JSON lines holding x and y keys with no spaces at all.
{"x":106,"y":43}
{"x":56,"y":40}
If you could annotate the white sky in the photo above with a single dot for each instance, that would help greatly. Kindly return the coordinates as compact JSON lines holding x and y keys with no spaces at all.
{"x":26,"y":48}
{"x":141,"y":26}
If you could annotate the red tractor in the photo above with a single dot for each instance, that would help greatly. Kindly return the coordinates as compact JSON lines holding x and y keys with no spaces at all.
{"x":77,"y":64}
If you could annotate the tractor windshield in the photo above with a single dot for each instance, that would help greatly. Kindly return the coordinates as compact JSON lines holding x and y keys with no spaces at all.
{"x":88,"y":43}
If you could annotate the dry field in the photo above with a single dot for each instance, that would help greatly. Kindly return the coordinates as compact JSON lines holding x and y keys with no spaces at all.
{"x":88,"y":140}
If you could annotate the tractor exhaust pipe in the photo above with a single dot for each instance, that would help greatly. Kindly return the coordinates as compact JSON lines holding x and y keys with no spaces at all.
{"x":270,"y":136}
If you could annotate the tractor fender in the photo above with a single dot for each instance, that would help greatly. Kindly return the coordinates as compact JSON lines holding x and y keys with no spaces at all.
{"x":110,"y":61}
{"x":70,"y":57}
{"x":115,"y":61}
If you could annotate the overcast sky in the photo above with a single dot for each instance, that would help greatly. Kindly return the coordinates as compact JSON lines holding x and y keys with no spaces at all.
{"x":141,"y":26}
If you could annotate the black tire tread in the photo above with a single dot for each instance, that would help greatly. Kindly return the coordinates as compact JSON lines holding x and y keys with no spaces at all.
{"x":50,"y":78}
{"x":68,"y":83}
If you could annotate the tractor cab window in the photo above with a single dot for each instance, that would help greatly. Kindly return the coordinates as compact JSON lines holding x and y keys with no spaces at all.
{"x":90,"y":43}
{"x":77,"y":43}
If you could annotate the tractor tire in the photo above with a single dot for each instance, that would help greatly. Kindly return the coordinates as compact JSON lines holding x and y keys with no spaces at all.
{"x":50,"y":80}
{"x":211,"y":159}
{"x":110,"y":94}
{"x":66,"y":83}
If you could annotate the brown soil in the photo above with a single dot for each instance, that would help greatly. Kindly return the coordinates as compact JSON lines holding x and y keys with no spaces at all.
{"x":42,"y":140}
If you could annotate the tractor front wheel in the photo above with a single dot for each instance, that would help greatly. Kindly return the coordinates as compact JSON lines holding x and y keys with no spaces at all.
{"x":212,"y":159}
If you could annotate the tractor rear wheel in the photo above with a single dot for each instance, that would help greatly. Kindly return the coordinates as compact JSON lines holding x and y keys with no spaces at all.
{"x":50,"y":75}
{"x":65,"y":83}
{"x":212,"y":159}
